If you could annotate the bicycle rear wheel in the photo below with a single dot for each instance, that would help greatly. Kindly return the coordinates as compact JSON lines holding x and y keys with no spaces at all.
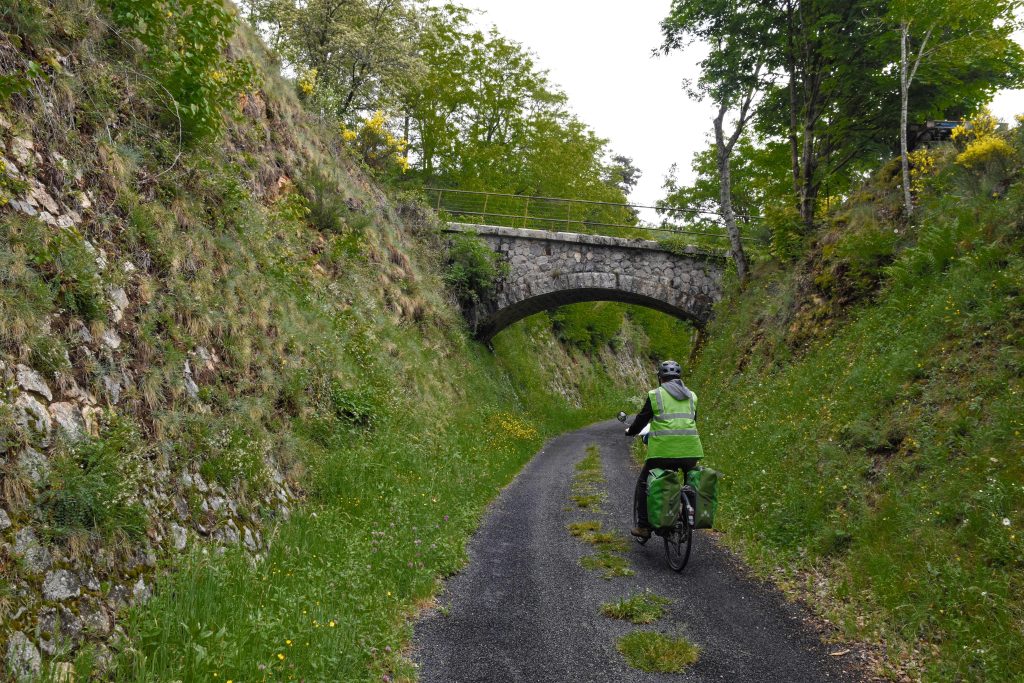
{"x":678,"y":543}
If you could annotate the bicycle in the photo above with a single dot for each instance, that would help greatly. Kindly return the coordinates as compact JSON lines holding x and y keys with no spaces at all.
{"x":678,"y":537}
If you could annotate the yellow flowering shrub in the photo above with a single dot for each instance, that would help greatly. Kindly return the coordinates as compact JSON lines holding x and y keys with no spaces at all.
{"x":981,"y":126}
{"x":307,"y":82}
{"x":922,"y":165}
{"x":375,"y":144}
{"x":982,"y":148}
{"x":987,"y":152}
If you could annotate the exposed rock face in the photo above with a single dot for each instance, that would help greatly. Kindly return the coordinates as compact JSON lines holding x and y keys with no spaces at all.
{"x":27,"y":547}
{"x":23,"y":659}
{"x":62,"y":596}
{"x":118,"y":303}
{"x":35,"y":465}
{"x":30,"y":380}
{"x":179,"y":538}
{"x":140,"y":591}
{"x":61,"y":585}
{"x":68,"y":417}
{"x":549,"y":269}
{"x":33,"y":418}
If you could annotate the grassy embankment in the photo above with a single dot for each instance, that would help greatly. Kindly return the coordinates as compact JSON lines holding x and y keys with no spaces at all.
{"x":340,"y":360}
{"x":867,"y":410}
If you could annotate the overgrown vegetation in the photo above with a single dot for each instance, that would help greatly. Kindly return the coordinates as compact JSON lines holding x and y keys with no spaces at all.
{"x":884,"y":377}
{"x":657,"y":652}
{"x":93,"y":487}
{"x":248,"y":305}
{"x":473,"y":268}
{"x":644,"y":608}
{"x":184,"y":45}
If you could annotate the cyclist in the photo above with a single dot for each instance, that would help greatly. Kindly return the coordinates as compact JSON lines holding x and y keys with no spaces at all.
{"x":673,"y":442}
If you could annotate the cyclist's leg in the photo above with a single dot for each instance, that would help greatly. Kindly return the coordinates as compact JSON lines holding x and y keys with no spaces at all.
{"x":640,"y":496}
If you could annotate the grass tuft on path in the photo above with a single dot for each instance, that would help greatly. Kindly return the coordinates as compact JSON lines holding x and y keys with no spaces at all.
{"x":656,"y":652}
{"x":590,"y":532}
{"x":586,"y":487}
{"x":583,"y":529}
{"x":645,"y":608}
{"x":609,"y":563}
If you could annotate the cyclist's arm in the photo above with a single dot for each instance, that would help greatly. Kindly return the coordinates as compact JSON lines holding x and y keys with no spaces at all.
{"x":642,"y":418}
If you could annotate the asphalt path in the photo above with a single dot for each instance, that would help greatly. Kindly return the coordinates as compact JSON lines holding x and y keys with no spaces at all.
{"x":525,"y":610}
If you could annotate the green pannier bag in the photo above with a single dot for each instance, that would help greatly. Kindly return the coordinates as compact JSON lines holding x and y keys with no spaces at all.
{"x":664,"y":503}
{"x":704,"y":481}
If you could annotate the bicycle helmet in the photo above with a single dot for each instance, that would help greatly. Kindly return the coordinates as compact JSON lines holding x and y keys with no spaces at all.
{"x":669,"y":370}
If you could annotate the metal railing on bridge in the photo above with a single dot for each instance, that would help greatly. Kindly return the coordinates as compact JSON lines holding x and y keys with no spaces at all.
{"x":563,"y":215}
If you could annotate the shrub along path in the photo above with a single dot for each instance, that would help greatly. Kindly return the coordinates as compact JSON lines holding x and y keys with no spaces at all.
{"x":525,"y":610}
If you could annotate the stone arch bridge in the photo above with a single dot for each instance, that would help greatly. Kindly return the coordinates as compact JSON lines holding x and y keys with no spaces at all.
{"x":550,"y":269}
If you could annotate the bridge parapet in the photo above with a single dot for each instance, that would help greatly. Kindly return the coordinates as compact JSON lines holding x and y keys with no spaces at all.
{"x":549,"y":269}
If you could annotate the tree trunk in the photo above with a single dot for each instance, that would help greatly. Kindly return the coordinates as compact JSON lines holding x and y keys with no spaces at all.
{"x":794,"y":143}
{"x":724,"y":150}
{"x":794,"y":106}
{"x":808,"y":166}
{"x":908,"y":201}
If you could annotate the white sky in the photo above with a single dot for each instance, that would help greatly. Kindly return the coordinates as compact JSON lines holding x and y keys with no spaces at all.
{"x":599,"y":52}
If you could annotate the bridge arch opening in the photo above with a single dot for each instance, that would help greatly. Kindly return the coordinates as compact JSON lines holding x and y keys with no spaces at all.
{"x":492,"y":325}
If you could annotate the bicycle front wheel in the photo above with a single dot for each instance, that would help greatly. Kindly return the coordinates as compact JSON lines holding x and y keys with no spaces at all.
{"x":678,"y":544}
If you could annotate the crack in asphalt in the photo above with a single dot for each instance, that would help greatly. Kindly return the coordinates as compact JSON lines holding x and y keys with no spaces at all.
{"x":525,"y":610}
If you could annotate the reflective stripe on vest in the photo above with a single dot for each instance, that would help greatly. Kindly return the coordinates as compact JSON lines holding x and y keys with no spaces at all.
{"x":673,"y":431}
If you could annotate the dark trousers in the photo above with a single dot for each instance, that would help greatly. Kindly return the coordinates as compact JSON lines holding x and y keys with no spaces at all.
{"x":684,"y":465}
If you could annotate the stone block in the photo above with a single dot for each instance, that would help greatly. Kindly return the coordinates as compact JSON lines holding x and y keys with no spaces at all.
{"x":22,"y":658}
{"x":61,"y":585}
{"x":30,"y":380}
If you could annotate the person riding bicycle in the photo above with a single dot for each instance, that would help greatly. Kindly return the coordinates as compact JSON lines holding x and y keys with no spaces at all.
{"x":673,"y":442}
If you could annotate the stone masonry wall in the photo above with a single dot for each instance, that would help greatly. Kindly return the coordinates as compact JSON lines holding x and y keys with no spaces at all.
{"x":556,"y":268}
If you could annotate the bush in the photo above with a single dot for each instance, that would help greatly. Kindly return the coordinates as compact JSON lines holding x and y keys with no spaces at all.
{"x":65,"y":262}
{"x":186,"y":42}
{"x":473,"y":270}
{"x":989,"y":154}
{"x":376,"y":146}
{"x":92,"y":485}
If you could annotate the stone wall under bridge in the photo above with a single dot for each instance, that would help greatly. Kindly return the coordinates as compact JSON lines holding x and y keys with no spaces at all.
{"x":549,"y":269}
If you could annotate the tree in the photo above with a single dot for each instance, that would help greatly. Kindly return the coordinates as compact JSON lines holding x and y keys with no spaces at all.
{"x":947,"y":33}
{"x":486,"y":118}
{"x":623,"y":174}
{"x":732,"y":77}
{"x":357,"y":55}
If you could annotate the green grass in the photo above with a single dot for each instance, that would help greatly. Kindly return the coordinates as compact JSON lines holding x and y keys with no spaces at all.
{"x":610,"y":564}
{"x":591,"y":462}
{"x":339,"y":361}
{"x":588,"y":493}
{"x":645,"y":608}
{"x":879,"y":447}
{"x":656,"y":652}
{"x":584,"y":529}
{"x":588,"y":501}
{"x":587,"y":490}
{"x":590,"y":532}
